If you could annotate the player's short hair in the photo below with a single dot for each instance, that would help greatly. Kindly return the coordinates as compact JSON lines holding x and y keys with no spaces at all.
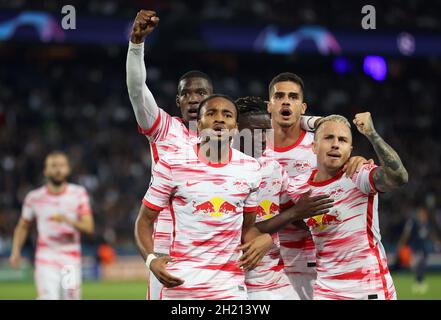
{"x":251,"y":106}
{"x":196,"y":74}
{"x":286,"y":76}
{"x":56,"y":153}
{"x":334,"y":118}
{"x":214,"y":96}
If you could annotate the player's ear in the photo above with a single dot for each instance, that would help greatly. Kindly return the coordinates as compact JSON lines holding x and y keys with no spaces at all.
{"x":177,"y":101}
{"x":315,"y":147}
{"x":304,"y":107}
{"x":269,"y":106}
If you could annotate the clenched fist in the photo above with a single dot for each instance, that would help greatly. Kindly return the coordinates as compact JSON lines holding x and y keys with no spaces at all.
{"x":364,"y":123}
{"x":145,"y":22}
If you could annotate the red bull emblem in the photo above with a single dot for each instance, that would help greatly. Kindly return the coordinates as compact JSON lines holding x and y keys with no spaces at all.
{"x":215,"y":207}
{"x":266,"y":209}
{"x":277,"y":183}
{"x":302,"y":166}
{"x":336,"y":192}
{"x":323,"y":221}
{"x":241,"y":185}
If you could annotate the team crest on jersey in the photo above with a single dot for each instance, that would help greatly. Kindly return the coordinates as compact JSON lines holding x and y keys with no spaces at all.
{"x":241,"y":185}
{"x":323,"y":221}
{"x":215,"y":207}
{"x":336,"y":192}
{"x":302,"y":166}
{"x":276,"y":183}
{"x":266,"y":209}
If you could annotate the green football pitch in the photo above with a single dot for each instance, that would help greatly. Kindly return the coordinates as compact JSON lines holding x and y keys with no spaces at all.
{"x":137,"y":290}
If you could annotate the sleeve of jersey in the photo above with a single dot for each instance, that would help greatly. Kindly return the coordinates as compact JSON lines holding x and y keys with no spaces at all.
{"x":27,"y":212}
{"x":161,"y":187}
{"x":251,"y":202}
{"x":84,"y":208}
{"x":364,"y":180}
{"x":148,"y":114}
{"x":307,"y":123}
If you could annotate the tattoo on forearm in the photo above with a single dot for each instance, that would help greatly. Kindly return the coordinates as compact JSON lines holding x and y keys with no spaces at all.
{"x":392,"y":171}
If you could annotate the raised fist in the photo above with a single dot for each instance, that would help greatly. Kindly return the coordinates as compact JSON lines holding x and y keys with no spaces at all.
{"x":145,"y":22}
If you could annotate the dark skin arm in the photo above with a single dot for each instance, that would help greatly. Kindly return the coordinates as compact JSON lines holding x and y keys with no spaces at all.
{"x":305,"y":207}
{"x":392,"y":173}
{"x":144,"y":241}
{"x":256,"y":244}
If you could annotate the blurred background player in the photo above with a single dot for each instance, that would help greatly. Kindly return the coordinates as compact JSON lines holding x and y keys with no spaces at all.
{"x":268,"y":280}
{"x":62,"y":211}
{"x":420,"y":238}
{"x":293,"y":150}
{"x":212,"y":189}
{"x":164,"y":132}
{"x":351,"y":261}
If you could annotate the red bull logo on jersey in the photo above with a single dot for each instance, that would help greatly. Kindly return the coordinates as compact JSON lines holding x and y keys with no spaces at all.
{"x":336,"y":192}
{"x":241,"y":185}
{"x":215,"y":207}
{"x":323,"y":221}
{"x":302,"y":166}
{"x":266,"y":209}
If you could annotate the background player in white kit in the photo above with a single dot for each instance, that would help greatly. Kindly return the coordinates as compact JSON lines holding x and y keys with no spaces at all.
{"x":351,"y":261}
{"x":61,"y":210}
{"x":293,"y":150}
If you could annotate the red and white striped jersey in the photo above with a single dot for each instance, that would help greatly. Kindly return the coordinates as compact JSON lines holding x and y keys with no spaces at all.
{"x":296,"y":245}
{"x":167,"y":135}
{"x":269,"y":273}
{"x":58,"y":243}
{"x":351,"y":261}
{"x":207,"y":203}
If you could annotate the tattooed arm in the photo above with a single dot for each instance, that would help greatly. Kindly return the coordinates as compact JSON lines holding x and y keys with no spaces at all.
{"x":391,"y":174}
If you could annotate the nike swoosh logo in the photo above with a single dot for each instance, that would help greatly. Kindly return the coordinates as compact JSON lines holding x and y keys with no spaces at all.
{"x":188,"y":184}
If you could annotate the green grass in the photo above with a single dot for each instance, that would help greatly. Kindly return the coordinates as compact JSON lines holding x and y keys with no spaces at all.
{"x":137,"y":290}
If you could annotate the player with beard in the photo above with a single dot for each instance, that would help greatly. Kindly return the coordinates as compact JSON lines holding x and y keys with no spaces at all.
{"x":62,"y":211}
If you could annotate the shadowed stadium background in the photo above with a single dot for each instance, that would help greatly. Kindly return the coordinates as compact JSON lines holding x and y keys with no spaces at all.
{"x":66,"y":89}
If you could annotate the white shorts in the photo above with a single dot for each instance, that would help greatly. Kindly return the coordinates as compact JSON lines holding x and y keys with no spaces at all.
{"x":154,"y":287}
{"x":58,"y":283}
{"x":303,"y":285}
{"x":284,"y":293}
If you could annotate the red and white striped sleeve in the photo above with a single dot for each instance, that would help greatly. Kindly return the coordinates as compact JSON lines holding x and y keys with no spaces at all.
{"x":251,"y":202}
{"x":84,"y":208}
{"x":364,"y":180}
{"x":27,"y":211}
{"x":161,"y":187}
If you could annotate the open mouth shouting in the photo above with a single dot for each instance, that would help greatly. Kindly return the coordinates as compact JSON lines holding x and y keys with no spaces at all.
{"x":286,"y":113}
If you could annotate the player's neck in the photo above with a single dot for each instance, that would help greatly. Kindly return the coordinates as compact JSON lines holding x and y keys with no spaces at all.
{"x":286,"y":136}
{"x":56,"y":189}
{"x":324,"y":173}
{"x":215,"y":152}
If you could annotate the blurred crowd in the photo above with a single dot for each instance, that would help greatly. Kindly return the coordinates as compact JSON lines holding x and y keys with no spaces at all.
{"x":392,"y":14}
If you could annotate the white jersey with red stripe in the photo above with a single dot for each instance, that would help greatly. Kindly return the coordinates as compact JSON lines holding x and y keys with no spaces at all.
{"x":351,"y":261}
{"x":269,"y":274}
{"x":207,"y":203}
{"x":58,"y":243}
{"x":296,"y":245}
{"x":167,"y":135}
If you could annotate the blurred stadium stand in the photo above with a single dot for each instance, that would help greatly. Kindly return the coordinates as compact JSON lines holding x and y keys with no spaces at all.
{"x":72,"y":96}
